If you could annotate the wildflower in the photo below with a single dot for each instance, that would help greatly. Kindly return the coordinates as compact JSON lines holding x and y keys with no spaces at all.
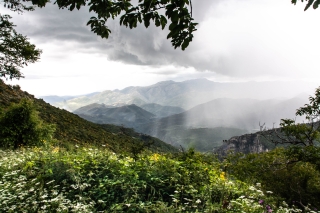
{"x":258,"y":184}
{"x":128,"y":204}
{"x":269,"y":192}
{"x":175,"y":200}
{"x":198,"y":201}
{"x":260,"y":202}
{"x":269,"y":210}
{"x":50,"y":182}
{"x":222,"y":176}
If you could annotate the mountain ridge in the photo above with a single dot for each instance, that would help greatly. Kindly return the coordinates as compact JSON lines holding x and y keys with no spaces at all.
{"x":185,"y":94}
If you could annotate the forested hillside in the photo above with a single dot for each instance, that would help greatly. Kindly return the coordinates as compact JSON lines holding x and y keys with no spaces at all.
{"x":70,"y":128}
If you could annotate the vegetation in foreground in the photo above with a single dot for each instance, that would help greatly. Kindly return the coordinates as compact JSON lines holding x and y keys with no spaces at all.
{"x":93,"y":179}
{"x":40,"y":173}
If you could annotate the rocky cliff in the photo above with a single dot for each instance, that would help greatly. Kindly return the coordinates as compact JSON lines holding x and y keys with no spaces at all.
{"x":248,"y":143}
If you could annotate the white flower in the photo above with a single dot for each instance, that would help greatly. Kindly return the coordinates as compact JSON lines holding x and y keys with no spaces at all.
{"x":198,"y":201}
{"x":175,"y":200}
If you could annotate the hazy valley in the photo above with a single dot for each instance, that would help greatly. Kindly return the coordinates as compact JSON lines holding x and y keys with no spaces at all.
{"x":196,"y":113}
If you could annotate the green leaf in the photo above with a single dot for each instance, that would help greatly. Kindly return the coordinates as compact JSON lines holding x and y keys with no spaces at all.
{"x":72,"y":6}
{"x":308,"y":4}
{"x":185,"y":44}
{"x":316,"y":4}
{"x":163,"y":21}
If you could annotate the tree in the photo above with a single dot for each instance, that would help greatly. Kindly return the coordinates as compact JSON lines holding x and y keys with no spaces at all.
{"x":301,"y":139}
{"x":181,"y":27}
{"x":300,"y":134}
{"x":20,"y":125}
{"x":15,"y":50}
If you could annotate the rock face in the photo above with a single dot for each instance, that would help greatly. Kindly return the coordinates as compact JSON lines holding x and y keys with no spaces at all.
{"x":248,"y":143}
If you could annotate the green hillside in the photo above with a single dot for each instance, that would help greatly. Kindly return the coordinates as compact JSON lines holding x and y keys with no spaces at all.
{"x":71,"y":129}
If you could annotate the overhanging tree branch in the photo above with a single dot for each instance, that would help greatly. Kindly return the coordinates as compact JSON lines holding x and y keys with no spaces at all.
{"x":15,"y":50}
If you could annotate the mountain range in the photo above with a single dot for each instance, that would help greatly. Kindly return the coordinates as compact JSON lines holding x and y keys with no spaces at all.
{"x":186,"y":94}
{"x":196,"y":113}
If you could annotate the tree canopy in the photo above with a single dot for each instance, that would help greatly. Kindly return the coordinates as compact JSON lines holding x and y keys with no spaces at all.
{"x":179,"y":12}
{"x":15,"y":50}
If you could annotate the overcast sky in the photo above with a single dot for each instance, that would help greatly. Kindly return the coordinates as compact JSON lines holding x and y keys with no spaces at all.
{"x":237,"y":40}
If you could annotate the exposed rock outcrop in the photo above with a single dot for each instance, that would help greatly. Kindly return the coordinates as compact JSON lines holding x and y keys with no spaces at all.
{"x":248,"y":143}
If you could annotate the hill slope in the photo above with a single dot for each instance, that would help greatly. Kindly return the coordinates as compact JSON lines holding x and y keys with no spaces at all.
{"x":70,"y":128}
{"x":129,"y":115}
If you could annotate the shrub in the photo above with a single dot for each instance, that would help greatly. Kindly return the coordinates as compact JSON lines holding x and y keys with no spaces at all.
{"x":20,"y":125}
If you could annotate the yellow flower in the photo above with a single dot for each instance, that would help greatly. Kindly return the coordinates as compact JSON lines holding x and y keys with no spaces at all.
{"x":155,"y":157}
{"x":222,"y":176}
{"x":55,"y":150}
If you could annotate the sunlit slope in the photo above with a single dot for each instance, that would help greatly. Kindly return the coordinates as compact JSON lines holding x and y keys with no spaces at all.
{"x":70,"y":128}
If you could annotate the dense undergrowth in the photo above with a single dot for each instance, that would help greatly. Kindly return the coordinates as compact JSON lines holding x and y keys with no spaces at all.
{"x":93,"y":179}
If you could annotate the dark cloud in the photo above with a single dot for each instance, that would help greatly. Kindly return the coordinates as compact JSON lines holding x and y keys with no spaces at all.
{"x":141,"y":46}
{"x":138,"y":46}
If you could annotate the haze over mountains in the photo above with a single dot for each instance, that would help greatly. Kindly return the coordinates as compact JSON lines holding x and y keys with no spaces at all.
{"x":187,"y":94}
{"x":198,"y":113}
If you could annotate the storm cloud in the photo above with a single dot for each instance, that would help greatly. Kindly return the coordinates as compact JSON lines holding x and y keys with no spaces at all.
{"x":239,"y":39}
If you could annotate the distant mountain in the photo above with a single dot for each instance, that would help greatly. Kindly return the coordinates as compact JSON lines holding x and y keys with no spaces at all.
{"x":52,"y":99}
{"x":129,"y":115}
{"x":226,"y":114}
{"x":236,"y":113}
{"x":186,"y":94}
{"x":202,"y":139}
{"x":162,"y":111}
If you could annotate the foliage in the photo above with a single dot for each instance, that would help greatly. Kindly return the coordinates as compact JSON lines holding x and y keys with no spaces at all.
{"x":93,"y":179}
{"x":300,"y":139}
{"x":313,"y":3}
{"x":301,"y":134}
{"x":290,"y":180}
{"x":15,"y":50}
{"x":181,"y":27}
{"x":20,"y":125}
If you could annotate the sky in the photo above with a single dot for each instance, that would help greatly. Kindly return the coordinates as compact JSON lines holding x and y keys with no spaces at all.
{"x":236,"y":41}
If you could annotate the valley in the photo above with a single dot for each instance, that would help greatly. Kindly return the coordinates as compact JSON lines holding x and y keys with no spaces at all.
{"x":195,"y":113}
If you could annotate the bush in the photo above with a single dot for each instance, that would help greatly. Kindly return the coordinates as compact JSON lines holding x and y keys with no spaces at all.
{"x":289,"y":178}
{"x":20,"y":125}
